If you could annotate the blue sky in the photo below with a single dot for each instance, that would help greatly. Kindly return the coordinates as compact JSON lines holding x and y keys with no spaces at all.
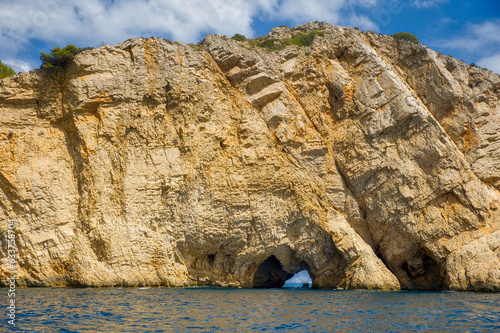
{"x":467,"y":30}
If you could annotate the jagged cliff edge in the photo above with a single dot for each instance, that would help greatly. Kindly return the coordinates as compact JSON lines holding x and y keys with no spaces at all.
{"x":370,"y":162}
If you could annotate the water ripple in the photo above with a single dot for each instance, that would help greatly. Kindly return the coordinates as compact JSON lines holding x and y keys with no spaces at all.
{"x":247,"y":310}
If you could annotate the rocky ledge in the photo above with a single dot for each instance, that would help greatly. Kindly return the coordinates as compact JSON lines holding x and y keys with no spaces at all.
{"x":369,"y":161}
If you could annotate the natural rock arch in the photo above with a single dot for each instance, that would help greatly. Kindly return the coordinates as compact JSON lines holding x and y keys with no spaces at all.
{"x":272,"y":274}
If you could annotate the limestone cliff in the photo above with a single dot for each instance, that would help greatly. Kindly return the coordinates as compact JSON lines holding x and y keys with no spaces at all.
{"x":370,"y":162}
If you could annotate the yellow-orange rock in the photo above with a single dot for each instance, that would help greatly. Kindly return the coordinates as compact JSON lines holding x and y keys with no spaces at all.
{"x":370,"y":162}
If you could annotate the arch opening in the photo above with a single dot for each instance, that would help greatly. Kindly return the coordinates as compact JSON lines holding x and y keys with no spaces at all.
{"x":270,"y":274}
{"x":301,"y":279}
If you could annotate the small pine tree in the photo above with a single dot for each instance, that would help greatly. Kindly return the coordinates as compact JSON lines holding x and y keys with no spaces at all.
{"x":59,"y":57}
{"x":407,"y":36}
{"x":6,"y":70}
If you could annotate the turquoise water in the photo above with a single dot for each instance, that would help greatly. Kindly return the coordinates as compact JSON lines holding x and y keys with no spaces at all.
{"x":250,"y":310}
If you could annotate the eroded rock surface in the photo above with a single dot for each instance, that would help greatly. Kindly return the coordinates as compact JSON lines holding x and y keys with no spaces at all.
{"x":370,"y":162}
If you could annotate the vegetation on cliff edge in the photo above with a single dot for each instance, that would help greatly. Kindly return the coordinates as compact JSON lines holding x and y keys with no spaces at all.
{"x":59,"y":57}
{"x":406,"y":36}
{"x":6,"y":70}
{"x":239,"y":37}
{"x":274,"y":44}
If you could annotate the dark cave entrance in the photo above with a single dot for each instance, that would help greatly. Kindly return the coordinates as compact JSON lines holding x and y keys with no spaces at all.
{"x":270,"y":274}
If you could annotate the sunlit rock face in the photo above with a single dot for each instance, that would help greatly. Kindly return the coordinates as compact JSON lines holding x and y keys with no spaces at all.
{"x":367,"y":161}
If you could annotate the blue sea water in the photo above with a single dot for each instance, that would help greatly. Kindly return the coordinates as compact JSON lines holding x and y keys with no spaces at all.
{"x":250,"y":310}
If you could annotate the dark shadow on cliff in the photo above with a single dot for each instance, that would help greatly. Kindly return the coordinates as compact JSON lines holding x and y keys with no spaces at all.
{"x":270,"y":274}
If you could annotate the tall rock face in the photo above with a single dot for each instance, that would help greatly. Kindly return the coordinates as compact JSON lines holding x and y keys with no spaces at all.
{"x":370,"y":162}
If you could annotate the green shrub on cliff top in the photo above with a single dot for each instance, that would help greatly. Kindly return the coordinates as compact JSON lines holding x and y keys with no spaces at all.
{"x":59,"y":57}
{"x":239,"y":38}
{"x":272,"y":44}
{"x":301,"y":39}
{"x":407,"y":36}
{"x":6,"y":70}
{"x":306,"y":39}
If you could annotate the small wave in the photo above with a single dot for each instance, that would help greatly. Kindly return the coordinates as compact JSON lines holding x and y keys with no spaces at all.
{"x":243,"y":310}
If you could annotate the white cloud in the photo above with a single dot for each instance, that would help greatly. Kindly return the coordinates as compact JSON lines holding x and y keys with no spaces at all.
{"x":90,"y":22}
{"x":477,"y":37}
{"x":363,"y":22}
{"x":18,"y":65}
{"x":319,"y":10}
{"x":97,"y":20}
{"x":492,"y":63}
{"x":489,"y":31}
{"x":479,"y":41}
{"x":428,"y":3}
{"x":334,"y":11}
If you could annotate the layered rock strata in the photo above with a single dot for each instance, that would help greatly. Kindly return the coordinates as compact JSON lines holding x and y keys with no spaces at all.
{"x":371,"y":162}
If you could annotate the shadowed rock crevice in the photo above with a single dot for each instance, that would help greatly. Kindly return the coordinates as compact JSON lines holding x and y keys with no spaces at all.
{"x":270,"y":274}
{"x":424,"y":273}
